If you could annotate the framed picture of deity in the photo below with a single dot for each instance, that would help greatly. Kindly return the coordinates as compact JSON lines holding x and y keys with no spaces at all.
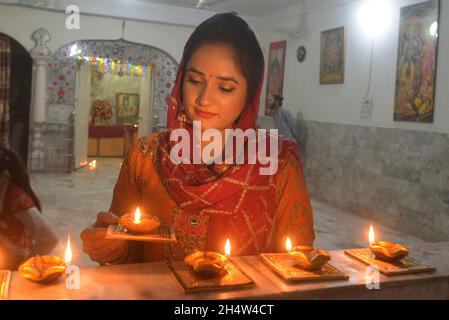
{"x":275,"y":74}
{"x":417,"y":62}
{"x":332,"y":61}
{"x":127,"y":108}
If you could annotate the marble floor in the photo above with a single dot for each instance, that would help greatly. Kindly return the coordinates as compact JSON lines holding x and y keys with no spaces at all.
{"x":72,"y":201}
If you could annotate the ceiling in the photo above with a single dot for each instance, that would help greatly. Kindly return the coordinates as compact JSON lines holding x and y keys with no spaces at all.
{"x":251,"y":8}
{"x":178,"y":12}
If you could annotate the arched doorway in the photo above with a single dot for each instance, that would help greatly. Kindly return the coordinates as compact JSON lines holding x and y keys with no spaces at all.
{"x":70,"y":80}
{"x":18,"y":95}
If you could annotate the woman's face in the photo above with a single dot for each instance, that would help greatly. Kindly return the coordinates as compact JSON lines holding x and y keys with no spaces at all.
{"x":214,"y":89}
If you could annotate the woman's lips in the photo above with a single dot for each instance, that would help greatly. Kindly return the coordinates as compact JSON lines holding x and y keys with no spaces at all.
{"x":204,"y":114}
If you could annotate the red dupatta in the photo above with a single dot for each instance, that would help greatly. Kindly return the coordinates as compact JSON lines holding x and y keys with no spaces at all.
{"x":14,"y":200}
{"x":238,"y":202}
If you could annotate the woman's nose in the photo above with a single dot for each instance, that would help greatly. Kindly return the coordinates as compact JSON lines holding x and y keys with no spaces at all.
{"x":205,"y":97}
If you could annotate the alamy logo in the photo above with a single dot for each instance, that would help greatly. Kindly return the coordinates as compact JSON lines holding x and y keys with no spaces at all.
{"x":256,"y":141}
{"x":72,"y":281}
{"x":372,"y":277}
{"x":73,"y":20}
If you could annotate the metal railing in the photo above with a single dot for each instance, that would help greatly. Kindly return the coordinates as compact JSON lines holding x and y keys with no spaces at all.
{"x":58,"y":147}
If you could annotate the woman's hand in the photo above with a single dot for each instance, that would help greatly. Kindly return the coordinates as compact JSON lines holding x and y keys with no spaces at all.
{"x":100,"y":249}
{"x":104,"y":219}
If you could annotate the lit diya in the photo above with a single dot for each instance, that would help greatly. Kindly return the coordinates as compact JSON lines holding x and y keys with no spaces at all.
{"x":309,"y":258}
{"x":209,"y":264}
{"x":385,"y":250}
{"x":303,"y":263}
{"x":205,"y":270}
{"x":138,"y":223}
{"x":141,"y":227}
{"x":93,"y":165}
{"x":390,"y":258}
{"x":44,"y":269}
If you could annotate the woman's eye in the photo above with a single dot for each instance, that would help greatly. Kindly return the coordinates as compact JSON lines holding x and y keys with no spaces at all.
{"x":228,"y":90}
{"x":193,"y":81}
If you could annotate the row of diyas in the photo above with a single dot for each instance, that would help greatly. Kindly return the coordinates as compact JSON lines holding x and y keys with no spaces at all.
{"x":213,"y":270}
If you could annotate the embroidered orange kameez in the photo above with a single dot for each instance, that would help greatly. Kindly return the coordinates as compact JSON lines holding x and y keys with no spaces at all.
{"x":139,"y":185}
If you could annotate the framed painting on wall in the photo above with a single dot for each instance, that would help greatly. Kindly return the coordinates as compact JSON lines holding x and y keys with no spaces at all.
{"x":127,"y":108}
{"x":275,"y":74}
{"x":332,"y":61}
{"x":417,"y":61}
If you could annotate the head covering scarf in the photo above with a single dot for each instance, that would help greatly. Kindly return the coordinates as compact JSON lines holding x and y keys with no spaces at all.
{"x":238,"y":200}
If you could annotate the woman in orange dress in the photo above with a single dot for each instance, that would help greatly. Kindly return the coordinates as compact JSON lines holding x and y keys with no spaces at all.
{"x":218,"y":84}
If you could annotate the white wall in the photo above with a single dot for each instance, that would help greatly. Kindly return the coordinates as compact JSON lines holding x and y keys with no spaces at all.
{"x":20,"y":23}
{"x":341,"y":103}
{"x":144,"y":106}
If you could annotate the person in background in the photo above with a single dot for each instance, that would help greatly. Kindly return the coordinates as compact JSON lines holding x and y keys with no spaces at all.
{"x":284,"y":120}
{"x":24,"y":231}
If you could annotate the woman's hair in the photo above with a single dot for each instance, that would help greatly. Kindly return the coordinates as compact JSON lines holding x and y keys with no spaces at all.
{"x":10,"y":161}
{"x":231,"y":30}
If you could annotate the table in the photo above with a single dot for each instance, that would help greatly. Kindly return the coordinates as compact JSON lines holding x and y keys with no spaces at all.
{"x":111,"y":141}
{"x":155,"y":281}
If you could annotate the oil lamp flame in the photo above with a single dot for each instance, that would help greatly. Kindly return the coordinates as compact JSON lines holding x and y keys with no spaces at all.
{"x":93,"y":165}
{"x":68,"y":252}
{"x":288,"y":244}
{"x":137,"y":216}
{"x":228,"y":248}
{"x":371,"y":235}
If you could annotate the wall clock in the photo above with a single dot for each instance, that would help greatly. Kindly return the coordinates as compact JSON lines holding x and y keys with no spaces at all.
{"x":301,"y":54}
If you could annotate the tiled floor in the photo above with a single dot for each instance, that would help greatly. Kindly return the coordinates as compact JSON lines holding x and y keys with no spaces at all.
{"x":72,"y":201}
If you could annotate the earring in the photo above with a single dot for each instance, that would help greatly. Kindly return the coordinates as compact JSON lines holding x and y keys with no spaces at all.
{"x":182,"y":119}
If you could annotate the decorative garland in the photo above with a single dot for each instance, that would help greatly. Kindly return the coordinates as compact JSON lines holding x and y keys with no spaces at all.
{"x":117,"y":67}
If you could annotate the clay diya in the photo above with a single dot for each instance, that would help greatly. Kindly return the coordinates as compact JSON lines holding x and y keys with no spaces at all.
{"x":139,"y":224}
{"x":43,"y":268}
{"x":388,"y":251}
{"x":385,"y":250}
{"x":207,"y":264}
{"x":309,"y":258}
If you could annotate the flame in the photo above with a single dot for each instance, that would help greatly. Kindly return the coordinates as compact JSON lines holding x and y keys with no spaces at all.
{"x":288,"y":244}
{"x":68,"y":252}
{"x":228,"y":248}
{"x":93,"y":165}
{"x":371,"y":235}
{"x":137,"y":216}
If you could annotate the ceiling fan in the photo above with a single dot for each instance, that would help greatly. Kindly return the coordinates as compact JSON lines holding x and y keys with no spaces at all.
{"x":204,"y":4}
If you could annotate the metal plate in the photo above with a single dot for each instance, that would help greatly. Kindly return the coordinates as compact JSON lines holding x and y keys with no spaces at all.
{"x":407,"y":265}
{"x":283,"y":265}
{"x":234,"y":278}
{"x":163,"y":234}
